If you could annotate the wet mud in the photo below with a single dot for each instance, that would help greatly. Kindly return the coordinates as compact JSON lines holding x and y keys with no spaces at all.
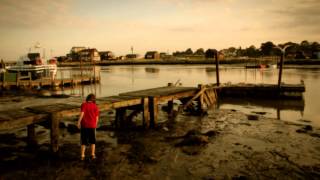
{"x":224,"y":144}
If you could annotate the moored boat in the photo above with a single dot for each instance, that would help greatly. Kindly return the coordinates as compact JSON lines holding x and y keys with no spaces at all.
{"x":34,"y":65}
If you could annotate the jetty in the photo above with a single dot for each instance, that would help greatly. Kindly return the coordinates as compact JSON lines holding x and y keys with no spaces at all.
{"x":17,"y":81}
{"x":147,"y":102}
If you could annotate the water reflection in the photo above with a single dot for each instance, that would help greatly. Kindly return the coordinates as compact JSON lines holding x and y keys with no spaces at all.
{"x":152,"y":70}
{"x":272,"y":108}
{"x":119,"y":79}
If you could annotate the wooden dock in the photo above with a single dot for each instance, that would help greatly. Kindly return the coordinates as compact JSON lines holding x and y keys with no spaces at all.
{"x":145,"y":101}
{"x":45,"y":82}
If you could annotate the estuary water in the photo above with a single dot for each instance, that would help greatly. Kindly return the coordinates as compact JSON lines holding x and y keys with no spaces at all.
{"x":124,"y":78}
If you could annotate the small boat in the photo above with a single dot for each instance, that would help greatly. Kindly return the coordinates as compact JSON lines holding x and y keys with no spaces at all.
{"x":261,"y":66}
{"x":255,"y":66}
{"x":34,"y":65}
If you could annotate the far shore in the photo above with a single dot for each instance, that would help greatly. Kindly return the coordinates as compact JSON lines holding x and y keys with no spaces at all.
{"x":190,"y":61}
{"x":235,"y":61}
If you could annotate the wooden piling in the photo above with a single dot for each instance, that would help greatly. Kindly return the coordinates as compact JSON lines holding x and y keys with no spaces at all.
{"x":280,"y":70}
{"x":201,"y":98}
{"x":145,"y":112}
{"x":153,"y":106}
{"x":54,"y":133}
{"x":170,"y":107}
{"x":31,"y":135}
{"x":217,"y":67}
{"x":120,"y":117}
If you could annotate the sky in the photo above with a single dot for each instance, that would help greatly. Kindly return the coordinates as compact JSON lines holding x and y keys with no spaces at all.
{"x":162,"y":25}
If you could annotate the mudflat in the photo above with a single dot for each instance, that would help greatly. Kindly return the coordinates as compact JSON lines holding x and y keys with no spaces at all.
{"x":223,"y":144}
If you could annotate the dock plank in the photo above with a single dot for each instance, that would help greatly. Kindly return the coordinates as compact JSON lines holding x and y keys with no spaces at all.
{"x":160,"y":91}
{"x":17,"y":118}
{"x":61,"y":108}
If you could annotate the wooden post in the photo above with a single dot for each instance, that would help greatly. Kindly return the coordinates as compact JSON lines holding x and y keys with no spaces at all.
{"x":280,"y":70}
{"x":170,"y":108}
{"x":17,"y":79}
{"x":153,"y":106}
{"x":120,"y":117}
{"x":31,"y":135}
{"x":54,"y":133}
{"x":200,"y":99}
{"x":217,"y":67}
{"x":146,"y":113}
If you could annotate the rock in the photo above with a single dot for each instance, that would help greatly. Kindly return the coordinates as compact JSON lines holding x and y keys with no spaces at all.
{"x":303,"y":120}
{"x":165,"y":129}
{"x":72,"y":128}
{"x":315,"y":135}
{"x":260,"y":113}
{"x":304,"y":129}
{"x":211,"y":133}
{"x":62,"y":125}
{"x":240,"y":177}
{"x":253,"y":117}
{"x":194,"y":140}
{"x":308,"y":127}
{"x":301,"y":131}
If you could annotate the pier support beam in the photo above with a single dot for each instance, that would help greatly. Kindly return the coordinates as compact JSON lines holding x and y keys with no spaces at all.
{"x":120,"y":117}
{"x":31,"y":135}
{"x":170,"y":108}
{"x":146,"y":113}
{"x":54,"y":133}
{"x":153,"y":106}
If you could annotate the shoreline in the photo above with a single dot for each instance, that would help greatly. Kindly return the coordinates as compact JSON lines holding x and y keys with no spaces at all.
{"x":185,"y":62}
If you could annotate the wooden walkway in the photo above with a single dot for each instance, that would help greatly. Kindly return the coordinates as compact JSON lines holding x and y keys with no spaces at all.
{"x":48,"y":82}
{"x":145,"y":101}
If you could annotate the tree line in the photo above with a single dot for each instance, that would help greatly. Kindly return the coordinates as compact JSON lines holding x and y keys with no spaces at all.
{"x":302,"y":50}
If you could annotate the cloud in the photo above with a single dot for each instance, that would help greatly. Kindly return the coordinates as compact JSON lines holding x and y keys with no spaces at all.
{"x":298,"y":14}
{"x":35,"y":14}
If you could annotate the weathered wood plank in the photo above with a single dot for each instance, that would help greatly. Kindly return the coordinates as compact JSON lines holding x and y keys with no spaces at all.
{"x":160,"y":91}
{"x":194,"y":98}
{"x":63,"y":109}
{"x":18,"y":118}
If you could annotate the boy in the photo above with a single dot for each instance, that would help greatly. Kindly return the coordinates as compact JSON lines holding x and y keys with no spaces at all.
{"x":87,"y":123}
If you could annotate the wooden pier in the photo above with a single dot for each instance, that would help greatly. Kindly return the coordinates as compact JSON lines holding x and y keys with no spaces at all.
{"x":47,"y":82}
{"x":145,"y":101}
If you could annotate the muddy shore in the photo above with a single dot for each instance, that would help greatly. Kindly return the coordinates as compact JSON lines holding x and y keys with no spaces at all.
{"x":224,"y":144}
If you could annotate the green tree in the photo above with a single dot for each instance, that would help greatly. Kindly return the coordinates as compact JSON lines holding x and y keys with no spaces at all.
{"x":210,"y":53}
{"x":252,"y":51}
{"x":189,"y":51}
{"x":305,"y":47}
{"x":315,"y":48}
{"x":199,"y":51}
{"x":267,"y":48}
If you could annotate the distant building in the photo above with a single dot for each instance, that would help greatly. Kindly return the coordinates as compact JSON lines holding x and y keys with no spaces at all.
{"x":132,"y":56}
{"x":89,"y":55}
{"x":121,"y":58}
{"x":106,"y":55}
{"x":152,"y":55}
{"x":163,"y":55}
{"x":76,"y":49}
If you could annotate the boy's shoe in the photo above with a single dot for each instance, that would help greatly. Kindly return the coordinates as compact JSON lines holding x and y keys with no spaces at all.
{"x":93,"y":157}
{"x":82,"y":158}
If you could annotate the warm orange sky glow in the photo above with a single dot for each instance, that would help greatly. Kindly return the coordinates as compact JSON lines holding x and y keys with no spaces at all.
{"x":163,"y":25}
